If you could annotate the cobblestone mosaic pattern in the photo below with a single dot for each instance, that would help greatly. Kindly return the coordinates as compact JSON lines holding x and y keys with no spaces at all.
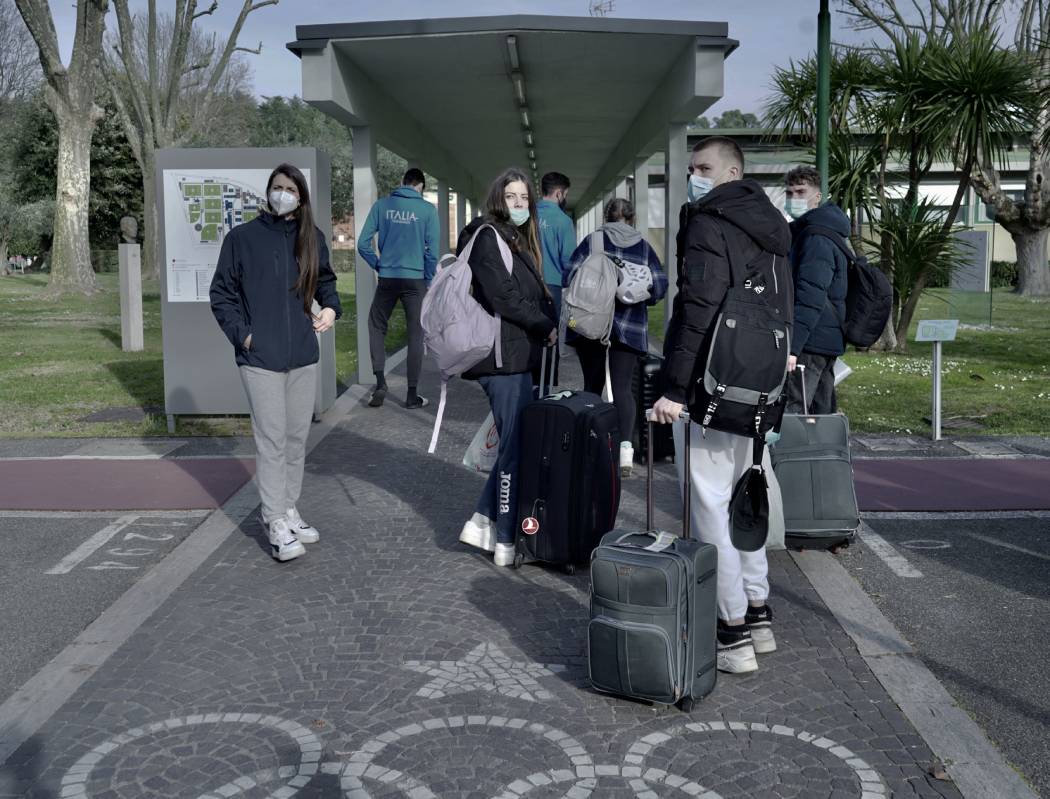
{"x":390,"y":661}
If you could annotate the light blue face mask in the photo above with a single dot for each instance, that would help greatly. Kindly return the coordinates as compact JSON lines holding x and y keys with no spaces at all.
{"x":699,"y":187}
{"x":519,"y":216}
{"x":795,"y":207}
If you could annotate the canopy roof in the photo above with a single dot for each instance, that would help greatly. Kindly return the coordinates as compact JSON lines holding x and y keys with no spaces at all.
{"x":462,"y":98}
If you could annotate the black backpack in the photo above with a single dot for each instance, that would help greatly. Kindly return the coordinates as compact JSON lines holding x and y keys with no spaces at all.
{"x":740,"y":389}
{"x":869,"y":294}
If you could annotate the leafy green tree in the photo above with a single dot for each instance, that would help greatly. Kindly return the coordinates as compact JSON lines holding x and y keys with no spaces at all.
{"x":116,"y":182}
{"x":735,"y":118}
{"x":703,"y":122}
{"x":290,"y":122}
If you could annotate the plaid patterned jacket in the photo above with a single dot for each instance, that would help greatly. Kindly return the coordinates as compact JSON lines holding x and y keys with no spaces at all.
{"x":630,"y":322}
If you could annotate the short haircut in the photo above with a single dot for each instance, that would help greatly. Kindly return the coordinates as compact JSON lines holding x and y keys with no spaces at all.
{"x":414,"y":177}
{"x":619,"y":210}
{"x":727,"y":148}
{"x":803,"y":174}
{"x":553,"y":181}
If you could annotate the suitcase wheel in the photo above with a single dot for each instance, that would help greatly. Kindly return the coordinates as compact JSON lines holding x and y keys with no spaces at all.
{"x":519,"y":559}
{"x":687,"y":704}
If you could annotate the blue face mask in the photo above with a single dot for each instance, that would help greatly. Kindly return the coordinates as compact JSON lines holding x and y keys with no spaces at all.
{"x":519,"y":216}
{"x":699,"y":187}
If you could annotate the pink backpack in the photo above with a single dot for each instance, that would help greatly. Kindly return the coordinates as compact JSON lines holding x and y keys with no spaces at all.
{"x":456,"y":329}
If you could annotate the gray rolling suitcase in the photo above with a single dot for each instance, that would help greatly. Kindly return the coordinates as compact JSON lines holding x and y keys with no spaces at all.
{"x":653,"y":611}
{"x":813,"y":466}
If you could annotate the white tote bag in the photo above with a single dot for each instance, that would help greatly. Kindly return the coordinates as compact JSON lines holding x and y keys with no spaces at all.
{"x":481,"y":454}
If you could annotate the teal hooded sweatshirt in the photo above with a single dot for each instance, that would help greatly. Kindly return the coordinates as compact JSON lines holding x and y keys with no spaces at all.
{"x":558,"y":240}
{"x":408,"y":236}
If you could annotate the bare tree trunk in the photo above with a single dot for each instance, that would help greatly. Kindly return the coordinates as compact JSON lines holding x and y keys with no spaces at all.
{"x":907,"y":313}
{"x":150,"y":242}
{"x":1033,"y":272}
{"x":71,"y":253}
{"x":3,"y":257}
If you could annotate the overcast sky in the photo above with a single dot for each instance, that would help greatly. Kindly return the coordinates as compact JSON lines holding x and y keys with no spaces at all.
{"x":770,"y":32}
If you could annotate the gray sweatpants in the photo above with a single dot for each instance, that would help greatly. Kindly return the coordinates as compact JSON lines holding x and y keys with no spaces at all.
{"x":282,"y":406}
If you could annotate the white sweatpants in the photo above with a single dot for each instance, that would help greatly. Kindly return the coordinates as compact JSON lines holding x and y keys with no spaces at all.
{"x":717,"y":461}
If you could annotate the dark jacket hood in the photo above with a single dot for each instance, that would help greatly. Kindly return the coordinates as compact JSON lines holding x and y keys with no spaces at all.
{"x":744,"y":203}
{"x":828,"y":215}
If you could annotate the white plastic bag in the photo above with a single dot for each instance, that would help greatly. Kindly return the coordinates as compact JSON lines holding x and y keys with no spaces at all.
{"x":635,"y":282}
{"x":481,"y":454}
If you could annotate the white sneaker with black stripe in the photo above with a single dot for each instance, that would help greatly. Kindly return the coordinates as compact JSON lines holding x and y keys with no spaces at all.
{"x":760,"y":623}
{"x":300,"y":529}
{"x":736,"y":653}
{"x":283,"y":544}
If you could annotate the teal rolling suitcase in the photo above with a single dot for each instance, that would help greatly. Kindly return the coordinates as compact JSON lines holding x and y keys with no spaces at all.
{"x":813,"y":466}
{"x":653,"y":611}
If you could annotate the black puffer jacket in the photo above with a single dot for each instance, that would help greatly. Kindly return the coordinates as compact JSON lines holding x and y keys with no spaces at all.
{"x":737,"y":222}
{"x":253,"y":292}
{"x":520,"y":298}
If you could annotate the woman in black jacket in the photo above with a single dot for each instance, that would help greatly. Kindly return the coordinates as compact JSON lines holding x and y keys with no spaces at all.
{"x":517,"y":293}
{"x":270,"y":271}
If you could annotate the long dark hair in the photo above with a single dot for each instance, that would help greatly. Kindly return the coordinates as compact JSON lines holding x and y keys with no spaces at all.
{"x":528,"y":239}
{"x":306,"y":236}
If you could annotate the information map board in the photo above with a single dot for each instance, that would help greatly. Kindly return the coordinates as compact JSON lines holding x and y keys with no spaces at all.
{"x":202,"y":194}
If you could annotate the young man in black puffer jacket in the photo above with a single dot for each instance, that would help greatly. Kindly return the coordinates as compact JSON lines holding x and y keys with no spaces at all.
{"x":729,"y":220}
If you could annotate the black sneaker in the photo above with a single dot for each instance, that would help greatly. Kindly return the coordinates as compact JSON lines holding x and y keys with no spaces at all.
{"x":736,"y":654}
{"x":760,"y":622}
{"x":416,"y":401}
{"x":378,"y":395}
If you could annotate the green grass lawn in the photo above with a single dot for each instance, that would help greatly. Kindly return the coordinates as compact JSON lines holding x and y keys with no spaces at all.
{"x":61,"y":360}
{"x":997,"y":377}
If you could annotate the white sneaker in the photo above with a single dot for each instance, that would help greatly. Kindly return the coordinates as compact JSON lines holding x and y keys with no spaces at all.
{"x":480,"y":532}
{"x":736,"y":653}
{"x":283,"y":544}
{"x":760,"y":622}
{"x":626,"y":459}
{"x":504,"y":554}
{"x":300,"y":529}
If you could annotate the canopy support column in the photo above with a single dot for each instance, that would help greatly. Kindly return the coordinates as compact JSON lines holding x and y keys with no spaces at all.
{"x":365,"y":196}
{"x":676,"y":170}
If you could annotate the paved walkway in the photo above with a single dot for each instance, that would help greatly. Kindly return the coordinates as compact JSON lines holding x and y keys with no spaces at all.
{"x":390,"y":661}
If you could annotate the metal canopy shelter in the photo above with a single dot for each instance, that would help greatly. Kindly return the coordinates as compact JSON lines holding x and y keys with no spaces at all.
{"x":591,"y":97}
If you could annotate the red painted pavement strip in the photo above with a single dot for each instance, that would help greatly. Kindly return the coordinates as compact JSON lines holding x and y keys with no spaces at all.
{"x":943,"y":484}
{"x":110,"y":484}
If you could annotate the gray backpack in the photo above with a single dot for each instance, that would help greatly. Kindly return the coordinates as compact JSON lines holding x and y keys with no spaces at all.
{"x":589,"y":302}
{"x":457,"y":330}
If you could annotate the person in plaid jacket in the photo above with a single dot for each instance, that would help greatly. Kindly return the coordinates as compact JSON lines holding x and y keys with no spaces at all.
{"x":629,"y":340}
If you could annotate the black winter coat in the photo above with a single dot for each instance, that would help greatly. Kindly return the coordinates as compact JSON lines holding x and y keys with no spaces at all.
{"x":253,"y":292}
{"x":820,"y":272}
{"x":520,"y":298}
{"x":734,"y":221}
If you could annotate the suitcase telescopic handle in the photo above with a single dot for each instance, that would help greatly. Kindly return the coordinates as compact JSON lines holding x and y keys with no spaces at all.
{"x":686,"y":488}
{"x":801,"y":369}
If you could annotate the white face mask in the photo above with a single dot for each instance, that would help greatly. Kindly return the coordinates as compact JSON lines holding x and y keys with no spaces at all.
{"x":699,"y":187}
{"x":519,"y":216}
{"x":282,"y":202}
{"x":796,"y":207}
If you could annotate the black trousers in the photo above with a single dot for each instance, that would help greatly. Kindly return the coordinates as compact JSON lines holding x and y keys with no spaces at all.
{"x":622,"y":363}
{"x":388,"y":292}
{"x":820,"y":385}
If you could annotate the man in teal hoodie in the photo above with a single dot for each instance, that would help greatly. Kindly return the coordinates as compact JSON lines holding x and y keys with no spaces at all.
{"x":407,"y":228}
{"x":557,"y":240}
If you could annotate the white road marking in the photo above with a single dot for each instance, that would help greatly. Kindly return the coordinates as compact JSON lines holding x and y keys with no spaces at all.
{"x":1005,"y":545}
{"x":92,"y":545}
{"x":896,"y":562}
{"x":89,"y":514}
